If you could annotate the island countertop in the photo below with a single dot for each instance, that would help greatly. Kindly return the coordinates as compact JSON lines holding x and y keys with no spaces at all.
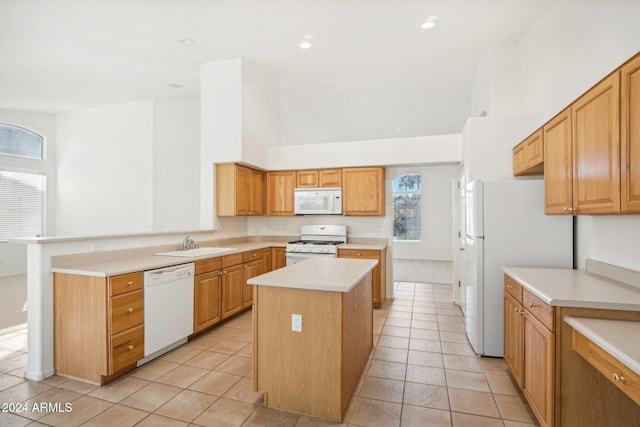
{"x":320,"y":274}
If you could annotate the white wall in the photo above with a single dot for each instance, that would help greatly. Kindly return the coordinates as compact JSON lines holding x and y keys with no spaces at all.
{"x":176,"y":165}
{"x":13,"y":257}
{"x":495,"y":90}
{"x":105,"y":172}
{"x":573,"y":45}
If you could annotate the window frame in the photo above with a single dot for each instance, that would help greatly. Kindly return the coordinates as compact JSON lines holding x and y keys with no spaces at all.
{"x":43,"y":142}
{"x":405,"y":193}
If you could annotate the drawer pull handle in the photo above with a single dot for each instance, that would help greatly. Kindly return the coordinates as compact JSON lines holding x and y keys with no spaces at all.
{"x":254,"y":254}
{"x":509,"y":286}
{"x":130,"y":310}
{"x":517,"y":310}
{"x":130,"y":282}
{"x":131,"y":347}
{"x":359,"y":254}
{"x":532,"y":304}
{"x":618,"y":378}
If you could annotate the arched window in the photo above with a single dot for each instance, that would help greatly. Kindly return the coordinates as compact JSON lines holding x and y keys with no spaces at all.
{"x":17,"y":141}
{"x":407,"y":208}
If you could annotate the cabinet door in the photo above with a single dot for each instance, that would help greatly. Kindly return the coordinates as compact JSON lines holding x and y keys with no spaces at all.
{"x":249,"y":270}
{"x":206,"y":300}
{"x":231,"y":290}
{"x":596,"y":148}
{"x":256,"y":202}
{"x":243,"y":190}
{"x":534,"y":152}
{"x":518,"y":159}
{"x":280,"y":187}
{"x":376,"y":280}
{"x":330,"y":178}
{"x":363,"y":191}
{"x":513,"y":337}
{"x":267,"y":260}
{"x":558,"y":166}
{"x":279,"y":258}
{"x":630,"y":138}
{"x":307,"y":179}
{"x":539,"y":350}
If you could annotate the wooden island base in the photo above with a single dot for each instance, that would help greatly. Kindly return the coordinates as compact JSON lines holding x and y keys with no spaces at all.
{"x":316,"y":371}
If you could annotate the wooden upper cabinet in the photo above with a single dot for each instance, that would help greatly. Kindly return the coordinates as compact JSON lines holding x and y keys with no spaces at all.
{"x":630,"y":136}
{"x":280,"y":186}
{"x":323,"y":178}
{"x":363,"y":191}
{"x":558,"y":170}
{"x":528,"y":156}
{"x":596,"y":148}
{"x":239,"y":190}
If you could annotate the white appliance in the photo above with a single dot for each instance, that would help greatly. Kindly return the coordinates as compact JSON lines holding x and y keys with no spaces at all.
{"x":317,"y":201}
{"x":505,"y":226}
{"x":316,"y":240}
{"x":168,"y":309}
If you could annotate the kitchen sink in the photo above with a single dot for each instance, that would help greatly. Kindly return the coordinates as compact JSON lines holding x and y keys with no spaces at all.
{"x":195,"y":252}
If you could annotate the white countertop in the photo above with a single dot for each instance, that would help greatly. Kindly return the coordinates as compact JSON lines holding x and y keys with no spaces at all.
{"x":616,"y":337}
{"x":576,"y":288}
{"x":318,"y":273}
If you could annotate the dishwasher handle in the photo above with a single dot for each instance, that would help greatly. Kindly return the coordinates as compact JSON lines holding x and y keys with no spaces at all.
{"x":170,"y":274}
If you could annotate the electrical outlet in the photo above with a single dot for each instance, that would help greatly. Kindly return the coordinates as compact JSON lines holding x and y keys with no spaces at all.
{"x":296,"y":322}
{"x":97,"y":246}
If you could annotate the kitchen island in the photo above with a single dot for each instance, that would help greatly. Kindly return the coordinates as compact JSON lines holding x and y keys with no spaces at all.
{"x":313,"y":370}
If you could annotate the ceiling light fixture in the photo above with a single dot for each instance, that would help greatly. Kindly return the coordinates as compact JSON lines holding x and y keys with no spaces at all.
{"x":306,"y":42}
{"x":186,"y":41}
{"x":175,"y":85}
{"x":430,"y":22}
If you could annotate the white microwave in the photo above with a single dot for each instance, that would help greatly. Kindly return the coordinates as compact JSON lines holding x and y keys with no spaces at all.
{"x":317,"y":201}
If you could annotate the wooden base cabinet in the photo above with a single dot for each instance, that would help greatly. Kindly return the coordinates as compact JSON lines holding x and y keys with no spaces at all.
{"x":252,"y":267}
{"x":98,"y":325}
{"x":231,"y":286}
{"x":279,"y":258}
{"x":379,"y":281}
{"x":529,"y":349}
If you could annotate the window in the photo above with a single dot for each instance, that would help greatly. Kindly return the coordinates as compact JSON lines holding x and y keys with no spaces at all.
{"x":21,"y":204}
{"x":407,"y":208}
{"x":17,"y":141}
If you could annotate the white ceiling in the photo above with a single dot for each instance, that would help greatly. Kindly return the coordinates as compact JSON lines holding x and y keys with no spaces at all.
{"x":59,"y":55}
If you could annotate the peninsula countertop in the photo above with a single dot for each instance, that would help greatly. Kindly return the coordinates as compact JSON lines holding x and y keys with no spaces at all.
{"x":576,"y":288}
{"x":318,"y":273}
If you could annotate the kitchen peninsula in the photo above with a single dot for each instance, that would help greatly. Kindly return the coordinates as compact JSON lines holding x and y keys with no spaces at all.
{"x":313,"y":333}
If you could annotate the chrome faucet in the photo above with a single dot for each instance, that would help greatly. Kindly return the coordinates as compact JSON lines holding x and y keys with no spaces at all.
{"x":189,"y":243}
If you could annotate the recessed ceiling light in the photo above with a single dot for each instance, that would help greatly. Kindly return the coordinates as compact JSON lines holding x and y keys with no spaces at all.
{"x":306,"y":42}
{"x":175,"y":85}
{"x":430,"y":22}
{"x":186,"y":41}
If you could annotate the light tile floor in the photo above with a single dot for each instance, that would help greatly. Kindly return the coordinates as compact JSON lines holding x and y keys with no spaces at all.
{"x":422,"y":372}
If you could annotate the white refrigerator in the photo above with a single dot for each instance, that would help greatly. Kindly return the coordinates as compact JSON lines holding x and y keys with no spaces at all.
{"x":505,"y":226}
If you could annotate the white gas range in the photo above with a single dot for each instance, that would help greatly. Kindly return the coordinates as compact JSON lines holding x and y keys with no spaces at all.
{"x":316,"y":240}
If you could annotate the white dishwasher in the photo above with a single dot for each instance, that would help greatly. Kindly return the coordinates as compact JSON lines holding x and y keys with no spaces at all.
{"x":168,"y":309}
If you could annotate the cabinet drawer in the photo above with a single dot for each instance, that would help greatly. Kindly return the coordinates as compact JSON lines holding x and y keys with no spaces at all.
{"x":127,"y":348}
{"x":540,"y":309}
{"x":208,"y":265}
{"x":229,"y":260}
{"x":126,"y":283}
{"x":251,"y":255}
{"x":514,"y":288}
{"x":127,"y":310}
{"x":359,"y":253}
{"x":620,"y":375}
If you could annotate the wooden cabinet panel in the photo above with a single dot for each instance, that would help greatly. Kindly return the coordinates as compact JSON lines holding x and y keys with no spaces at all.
{"x":513,"y":337}
{"x":231,"y":291}
{"x":514,"y":288}
{"x":239,"y":190}
{"x":330,"y":178}
{"x":251,"y":255}
{"x":596,"y":148}
{"x":363,"y":191}
{"x":279,"y":258}
{"x":280,"y":186}
{"x":307,"y":179}
{"x":378,"y":284}
{"x":267,"y":260}
{"x":127,"y":310}
{"x":126,"y":348}
{"x":539,"y":352}
{"x":126,"y":283}
{"x":540,"y":309}
{"x":558,"y":170}
{"x":208,"y":265}
{"x":250,"y":269}
{"x":206,"y":300}
{"x":630,"y":137}
{"x":528,"y":157}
